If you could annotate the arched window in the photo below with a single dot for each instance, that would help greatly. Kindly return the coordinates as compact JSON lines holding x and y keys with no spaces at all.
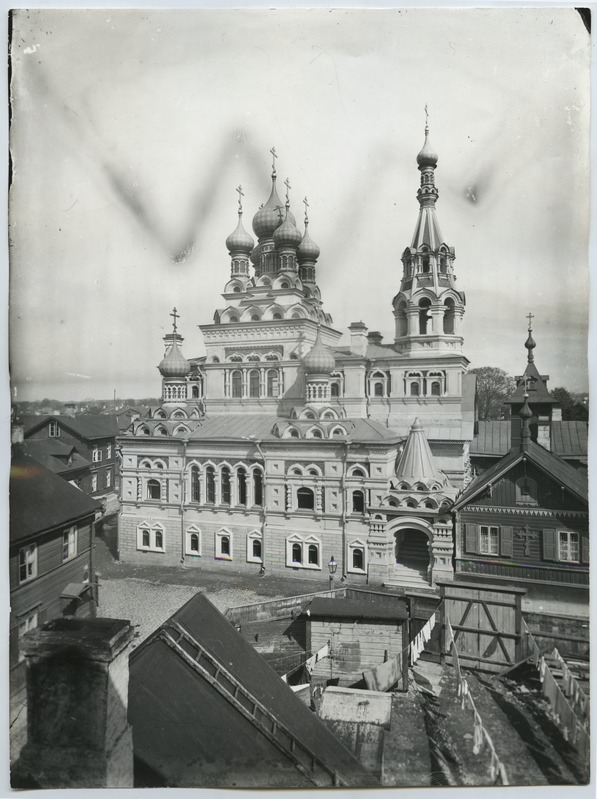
{"x":313,"y":554}
{"x":233,"y":319}
{"x":237,"y":384}
{"x":316,"y":433}
{"x":414,"y":389}
{"x":225,"y":545}
{"x":443,"y":264}
{"x":293,"y":433}
{"x":194,"y":543}
{"x":358,"y":559}
{"x":225,"y":485}
{"x":195,"y":484}
{"x":305,"y":498}
{"x":159,"y":539}
{"x":358,"y":473}
{"x":253,"y":383}
{"x":335,"y":390}
{"x":256,"y":549}
{"x":425,"y":263}
{"x":272,"y":383}
{"x":358,"y":502}
{"x":277,"y":315}
{"x":145,"y":537}
{"x":257,"y":487}
{"x":378,"y":389}
{"x":402,"y":320}
{"x":255,"y":317}
{"x":195,"y":392}
{"x":436,"y":389}
{"x":424,"y":317}
{"x":241,"y":482}
{"x":297,"y":553}
{"x":153,"y":489}
{"x":210,"y":484}
{"x":284,"y":285}
{"x":449,"y":316}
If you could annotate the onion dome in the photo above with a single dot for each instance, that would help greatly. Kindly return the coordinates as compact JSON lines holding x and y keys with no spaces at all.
{"x":525,"y":411}
{"x":287,"y":235}
{"x":255,"y":255}
{"x":268,"y":217}
{"x":320,"y":359}
{"x":174,"y":364}
{"x":427,"y":156}
{"x":240,"y":240}
{"x":530,"y":345}
{"x":308,"y":250}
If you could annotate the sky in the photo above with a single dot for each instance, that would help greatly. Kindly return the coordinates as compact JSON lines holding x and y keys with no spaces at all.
{"x":131,"y":130}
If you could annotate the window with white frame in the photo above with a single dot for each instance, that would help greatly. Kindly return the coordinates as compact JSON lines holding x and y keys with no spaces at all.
{"x":69,"y":544}
{"x":489,"y":540}
{"x":151,"y":537}
{"x":568,"y":546}
{"x":303,"y":552}
{"x":108,"y":450}
{"x":193,"y":541}
{"x":26,"y":625}
{"x":358,"y":501}
{"x":53,"y":429}
{"x":255,"y":547}
{"x":27,"y":563}
{"x":154,"y":489}
{"x":108,"y":478}
{"x":223,"y":548}
{"x":94,"y":482}
{"x":357,"y":557}
{"x":96,"y":455}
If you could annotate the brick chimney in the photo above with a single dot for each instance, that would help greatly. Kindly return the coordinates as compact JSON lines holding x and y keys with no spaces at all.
{"x":78,"y":735}
{"x":358,"y":338}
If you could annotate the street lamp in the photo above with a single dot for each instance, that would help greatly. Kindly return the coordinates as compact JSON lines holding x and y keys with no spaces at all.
{"x":332,"y":566}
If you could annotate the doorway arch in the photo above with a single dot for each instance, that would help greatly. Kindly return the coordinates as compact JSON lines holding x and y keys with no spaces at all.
{"x":413,"y":540}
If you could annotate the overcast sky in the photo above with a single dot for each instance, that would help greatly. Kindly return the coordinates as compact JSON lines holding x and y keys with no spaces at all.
{"x":132,"y":129}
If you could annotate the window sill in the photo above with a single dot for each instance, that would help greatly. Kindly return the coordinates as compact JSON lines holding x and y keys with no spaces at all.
{"x":192,"y":554}
{"x":150,"y":549}
{"x":356,"y":571}
{"x":311,"y":566}
{"x":254,"y":560}
{"x":223,"y":557}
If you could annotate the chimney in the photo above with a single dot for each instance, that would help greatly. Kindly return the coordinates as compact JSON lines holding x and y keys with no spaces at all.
{"x":358,"y":338}
{"x":78,"y":735}
{"x":375,"y":337}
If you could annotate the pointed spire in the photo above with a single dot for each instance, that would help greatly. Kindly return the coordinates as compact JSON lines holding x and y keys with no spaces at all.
{"x":417,"y":464}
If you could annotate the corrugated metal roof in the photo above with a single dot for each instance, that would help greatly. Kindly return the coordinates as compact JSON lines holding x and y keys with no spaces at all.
{"x":569,"y":439}
{"x":40,"y":500}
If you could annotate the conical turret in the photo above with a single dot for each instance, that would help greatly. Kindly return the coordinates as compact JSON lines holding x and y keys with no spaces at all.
{"x":417,"y":465}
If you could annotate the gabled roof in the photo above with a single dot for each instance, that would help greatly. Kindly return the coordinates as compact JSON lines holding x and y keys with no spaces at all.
{"x":184,"y":725}
{"x":537,"y":388}
{"x":563,"y":474}
{"x":568,"y":439}
{"x":55,"y":455}
{"x":40,"y":500}
{"x":86,"y":425}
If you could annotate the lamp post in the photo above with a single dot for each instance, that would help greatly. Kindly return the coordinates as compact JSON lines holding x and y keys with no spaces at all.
{"x":332,"y":566}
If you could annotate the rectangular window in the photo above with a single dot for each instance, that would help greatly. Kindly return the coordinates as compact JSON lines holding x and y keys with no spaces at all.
{"x":94,"y":482}
{"x":27,"y":563}
{"x":53,"y":430}
{"x":568,"y":547}
{"x":193,"y":541}
{"x":108,"y":478}
{"x":96,"y":455}
{"x":69,"y":544}
{"x":489,"y":541}
{"x":108,"y":450}
{"x":28,"y":624}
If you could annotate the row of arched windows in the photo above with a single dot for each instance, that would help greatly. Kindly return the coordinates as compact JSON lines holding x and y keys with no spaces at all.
{"x":226,"y":486}
{"x":252,"y":383}
{"x":425,"y":324}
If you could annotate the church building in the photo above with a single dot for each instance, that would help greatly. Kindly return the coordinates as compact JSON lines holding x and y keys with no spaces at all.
{"x":281,"y":450}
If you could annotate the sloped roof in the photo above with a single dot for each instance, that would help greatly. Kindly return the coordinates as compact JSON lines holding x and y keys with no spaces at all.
{"x":567,"y":476}
{"x":417,"y":464}
{"x":569,"y":439}
{"x":427,"y":229}
{"x":85,"y":425}
{"x":40,"y":500}
{"x":193,"y":711}
{"x":54,"y":455}
{"x":327,"y":607}
{"x":537,"y":388}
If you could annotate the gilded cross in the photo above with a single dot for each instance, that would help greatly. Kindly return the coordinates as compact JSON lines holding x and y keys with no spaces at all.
{"x":426,"y":115}
{"x":306,"y":203}
{"x":288,"y":187}
{"x":530,"y":317}
{"x":241,"y":194}
{"x":528,"y":535}
{"x":174,"y":316}
{"x":274,"y":156}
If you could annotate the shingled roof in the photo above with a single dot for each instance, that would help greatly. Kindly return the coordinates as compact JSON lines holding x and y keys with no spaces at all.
{"x":40,"y":500}
{"x":207,"y":710}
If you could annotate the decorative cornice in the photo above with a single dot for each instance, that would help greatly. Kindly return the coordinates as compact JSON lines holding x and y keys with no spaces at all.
{"x":541,"y":512}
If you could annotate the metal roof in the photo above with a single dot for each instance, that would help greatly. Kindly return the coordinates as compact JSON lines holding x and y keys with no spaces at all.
{"x":86,"y":425}
{"x":569,"y":439}
{"x":55,"y":454}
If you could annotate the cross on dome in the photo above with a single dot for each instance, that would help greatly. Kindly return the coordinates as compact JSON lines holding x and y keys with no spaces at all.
{"x":174,"y":316}
{"x":306,"y":204}
{"x":274,"y":156}
{"x":241,"y":194}
{"x":530,"y":317}
{"x":288,"y":187}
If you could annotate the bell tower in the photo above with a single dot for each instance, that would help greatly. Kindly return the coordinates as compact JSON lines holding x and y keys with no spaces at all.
{"x":428,"y":309}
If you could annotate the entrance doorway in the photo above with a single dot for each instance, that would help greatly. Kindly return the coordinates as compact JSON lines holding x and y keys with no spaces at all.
{"x":412,"y":549}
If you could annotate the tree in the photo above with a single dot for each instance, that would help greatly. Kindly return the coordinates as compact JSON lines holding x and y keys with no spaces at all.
{"x":494,"y":387}
{"x":571,"y":410}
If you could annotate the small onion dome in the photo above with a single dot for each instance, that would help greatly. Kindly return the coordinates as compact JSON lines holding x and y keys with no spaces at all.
{"x":319,"y":360}
{"x":308,"y":250}
{"x":530,"y":345}
{"x":427,"y":156}
{"x":240,"y":240}
{"x":255,"y":255}
{"x":287,"y":235}
{"x":174,"y":364}
{"x":525,"y":411}
{"x":267,"y":218}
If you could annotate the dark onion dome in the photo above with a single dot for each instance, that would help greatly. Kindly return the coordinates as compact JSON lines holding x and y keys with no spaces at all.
{"x":174,"y":364}
{"x":255,"y":255}
{"x":268,"y":217}
{"x":320,"y":359}
{"x":308,"y":250}
{"x":240,"y":240}
{"x":287,"y":235}
{"x":427,"y":156}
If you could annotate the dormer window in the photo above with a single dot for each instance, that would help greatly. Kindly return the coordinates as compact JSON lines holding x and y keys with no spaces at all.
{"x":53,"y":429}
